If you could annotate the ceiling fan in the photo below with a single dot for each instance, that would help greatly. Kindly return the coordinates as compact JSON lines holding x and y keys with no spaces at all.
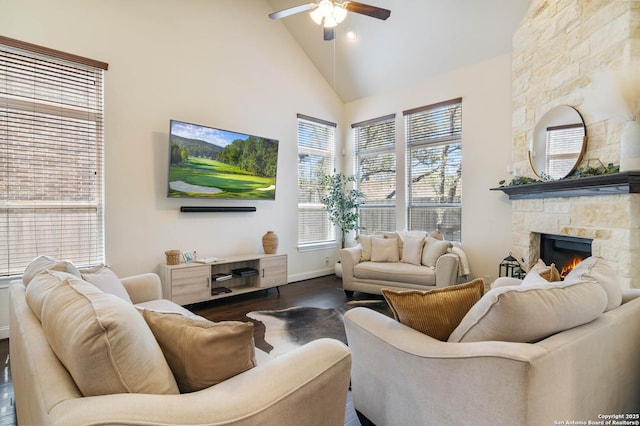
{"x":330,"y":13}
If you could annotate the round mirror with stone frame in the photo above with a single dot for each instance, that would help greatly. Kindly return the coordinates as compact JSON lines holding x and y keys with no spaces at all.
{"x":558,"y":143}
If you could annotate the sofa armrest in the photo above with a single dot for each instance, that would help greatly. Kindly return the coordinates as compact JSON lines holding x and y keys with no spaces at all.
{"x":446,"y":383}
{"x":349,"y":257}
{"x":447,"y":270}
{"x":307,"y":386}
{"x":143,"y":287}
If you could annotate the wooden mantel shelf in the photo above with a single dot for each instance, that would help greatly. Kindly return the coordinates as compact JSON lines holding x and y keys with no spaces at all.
{"x":617,"y":183}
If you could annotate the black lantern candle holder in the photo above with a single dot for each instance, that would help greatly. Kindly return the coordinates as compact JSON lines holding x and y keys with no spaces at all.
{"x":510,"y":267}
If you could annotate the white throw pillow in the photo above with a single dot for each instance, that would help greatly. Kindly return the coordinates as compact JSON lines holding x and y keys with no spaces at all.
{"x":597,"y":269}
{"x":43,"y":263}
{"x":432,"y":251}
{"x":530,"y":313}
{"x":106,"y":280}
{"x":412,"y":250}
{"x":365,"y":247}
{"x":384,"y":250}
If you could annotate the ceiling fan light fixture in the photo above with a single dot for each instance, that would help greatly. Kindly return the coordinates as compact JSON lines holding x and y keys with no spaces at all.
{"x":339,"y":12}
{"x":317,"y":15}
{"x":330,"y":21}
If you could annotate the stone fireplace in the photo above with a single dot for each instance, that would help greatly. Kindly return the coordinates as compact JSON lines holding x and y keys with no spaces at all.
{"x":555,"y":50}
{"x":564,"y":251}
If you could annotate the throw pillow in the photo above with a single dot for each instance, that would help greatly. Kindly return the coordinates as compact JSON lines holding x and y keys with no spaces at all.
{"x":202,"y":353}
{"x":103,"y":342}
{"x":365,"y":244}
{"x":384,"y":250}
{"x":412,"y":250}
{"x":432,"y":251}
{"x":106,"y":280}
{"x":40,"y":286}
{"x":43,"y":263}
{"x":548,"y":272}
{"x":597,"y":269}
{"x":434,"y":312}
{"x":530,"y":313}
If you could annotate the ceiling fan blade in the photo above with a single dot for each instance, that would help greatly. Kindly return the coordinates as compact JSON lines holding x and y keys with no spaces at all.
{"x":365,"y":9}
{"x":329,"y":33}
{"x":292,"y":10}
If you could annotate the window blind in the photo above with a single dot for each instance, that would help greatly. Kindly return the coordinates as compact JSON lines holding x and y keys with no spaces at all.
{"x":51,"y":157}
{"x":564,"y":144}
{"x":316,"y":147}
{"x":434,"y":167}
{"x":376,"y":173}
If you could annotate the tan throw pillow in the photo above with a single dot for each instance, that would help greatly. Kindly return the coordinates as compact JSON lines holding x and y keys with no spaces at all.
{"x":434,"y":312}
{"x":202,"y":353}
{"x":43,"y":263}
{"x":384,"y":250}
{"x":598,"y":270}
{"x":549,"y":272}
{"x":365,"y":250}
{"x":530,"y":313}
{"x":103,"y":342}
{"x":106,"y":280}
{"x":432,"y":251}
{"x":412,"y":250}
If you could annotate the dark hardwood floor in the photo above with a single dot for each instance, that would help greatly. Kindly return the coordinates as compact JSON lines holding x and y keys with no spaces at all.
{"x":323,"y":292}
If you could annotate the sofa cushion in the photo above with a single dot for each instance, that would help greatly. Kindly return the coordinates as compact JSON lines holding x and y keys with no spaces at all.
{"x":412,"y":250}
{"x":432,"y":251}
{"x":434,"y":312}
{"x":530,"y":313}
{"x":597,"y":269}
{"x":384,"y":250}
{"x":43,"y":263}
{"x":103,"y":342}
{"x":40,"y":286}
{"x":202,"y":353}
{"x":106,"y":280}
{"x":548,"y":272}
{"x":395,"y":272}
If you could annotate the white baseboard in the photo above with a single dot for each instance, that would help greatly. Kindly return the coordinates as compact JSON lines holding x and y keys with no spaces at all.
{"x":314,"y":274}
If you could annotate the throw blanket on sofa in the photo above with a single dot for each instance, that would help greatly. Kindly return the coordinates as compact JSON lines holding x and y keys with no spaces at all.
{"x":463,"y":264}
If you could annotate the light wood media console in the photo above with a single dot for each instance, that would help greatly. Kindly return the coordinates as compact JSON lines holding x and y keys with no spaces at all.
{"x":189,"y":283}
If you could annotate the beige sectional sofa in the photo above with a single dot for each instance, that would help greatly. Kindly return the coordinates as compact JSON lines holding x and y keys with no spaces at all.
{"x":415,"y":262}
{"x":534,"y":353}
{"x":305,"y":386}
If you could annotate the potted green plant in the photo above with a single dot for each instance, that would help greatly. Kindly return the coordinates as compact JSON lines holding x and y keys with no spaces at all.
{"x":341,"y":200}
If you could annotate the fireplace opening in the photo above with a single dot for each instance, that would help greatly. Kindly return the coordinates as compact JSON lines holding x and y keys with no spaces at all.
{"x":566,"y":252}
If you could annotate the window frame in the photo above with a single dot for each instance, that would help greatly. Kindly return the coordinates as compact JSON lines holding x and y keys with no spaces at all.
{"x":51,"y":115}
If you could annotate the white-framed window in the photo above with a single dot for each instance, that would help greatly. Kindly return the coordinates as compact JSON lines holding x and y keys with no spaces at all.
{"x":51,"y":156}
{"x":316,"y":148}
{"x":375,"y":158}
{"x":434,"y":168}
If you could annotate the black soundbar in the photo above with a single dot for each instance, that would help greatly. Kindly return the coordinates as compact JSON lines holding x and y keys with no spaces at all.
{"x":202,"y":209}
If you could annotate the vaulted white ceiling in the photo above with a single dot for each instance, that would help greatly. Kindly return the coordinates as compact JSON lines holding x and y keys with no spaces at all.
{"x":422,"y":38}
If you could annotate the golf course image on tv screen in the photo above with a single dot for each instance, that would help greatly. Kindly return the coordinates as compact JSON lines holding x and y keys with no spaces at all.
{"x":206,"y":162}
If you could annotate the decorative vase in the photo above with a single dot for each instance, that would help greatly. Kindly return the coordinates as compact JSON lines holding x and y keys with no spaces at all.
{"x":630,"y":147}
{"x":270,"y":242}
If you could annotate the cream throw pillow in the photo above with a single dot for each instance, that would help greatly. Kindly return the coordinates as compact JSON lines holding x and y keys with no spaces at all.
{"x":597,"y":269}
{"x":40,"y":286}
{"x":530,"y":313}
{"x":365,"y":247}
{"x":548,"y":272}
{"x":202,"y":353}
{"x":384,"y":250}
{"x":432,"y":251}
{"x":106,"y":280}
{"x":43,"y":263}
{"x":434,"y":312}
{"x":103,"y":342}
{"x":412,"y":250}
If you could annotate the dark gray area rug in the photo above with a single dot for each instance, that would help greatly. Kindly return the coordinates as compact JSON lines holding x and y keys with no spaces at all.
{"x":290,"y":328}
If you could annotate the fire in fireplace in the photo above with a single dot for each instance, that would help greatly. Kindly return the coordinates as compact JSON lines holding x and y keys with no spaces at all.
{"x":566,"y":252}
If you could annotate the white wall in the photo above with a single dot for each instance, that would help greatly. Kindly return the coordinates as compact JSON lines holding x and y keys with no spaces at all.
{"x":485,"y":89}
{"x":220,"y":63}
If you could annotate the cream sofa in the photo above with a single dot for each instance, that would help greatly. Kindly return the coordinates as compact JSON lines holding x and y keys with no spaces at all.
{"x":401,"y":376}
{"x":306,"y":386}
{"x":435,"y":264}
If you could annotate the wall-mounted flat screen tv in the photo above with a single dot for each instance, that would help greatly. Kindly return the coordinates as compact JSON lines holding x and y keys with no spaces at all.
{"x":205,"y":162}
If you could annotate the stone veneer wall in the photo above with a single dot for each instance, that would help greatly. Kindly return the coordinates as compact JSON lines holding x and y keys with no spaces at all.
{"x":556,"y":48}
